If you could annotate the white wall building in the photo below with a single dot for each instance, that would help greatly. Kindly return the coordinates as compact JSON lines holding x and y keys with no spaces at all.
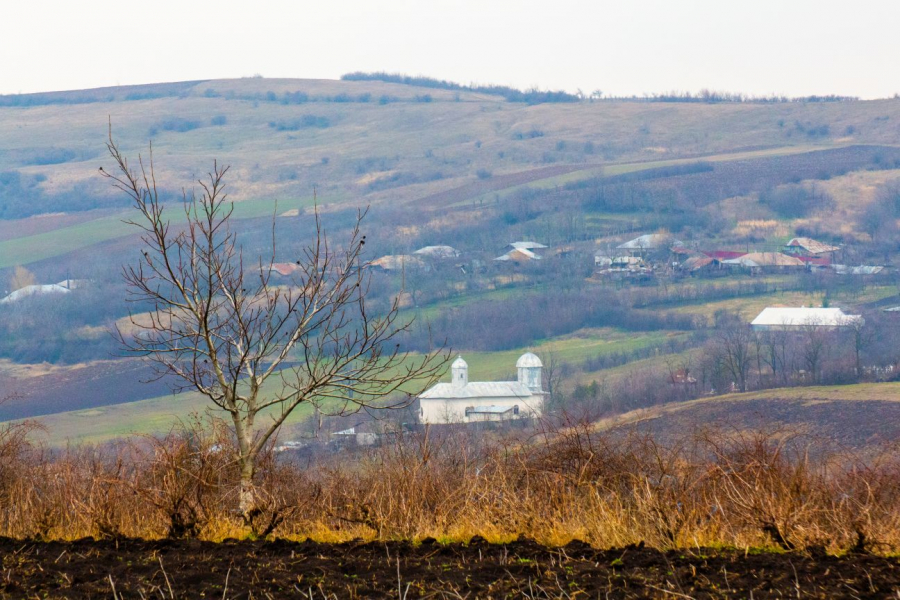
{"x":464,"y":401}
{"x":790,"y":318}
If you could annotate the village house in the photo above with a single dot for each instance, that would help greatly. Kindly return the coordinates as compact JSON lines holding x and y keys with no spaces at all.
{"x":464,"y":401}
{"x":439,"y":252}
{"x":765,"y":262}
{"x":649,"y":243}
{"x":397,"y":262}
{"x":810,"y":250}
{"x":528,"y":245}
{"x":519,"y":255}
{"x":783,"y":318}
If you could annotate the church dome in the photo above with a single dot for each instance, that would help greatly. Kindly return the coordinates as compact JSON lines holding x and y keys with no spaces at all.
{"x":459,"y":363}
{"x":528,"y":360}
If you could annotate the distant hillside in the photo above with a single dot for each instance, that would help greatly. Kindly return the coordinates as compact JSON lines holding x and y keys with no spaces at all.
{"x":854,"y":416}
{"x":372,"y":141}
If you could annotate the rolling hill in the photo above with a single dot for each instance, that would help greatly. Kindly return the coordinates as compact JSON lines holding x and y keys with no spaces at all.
{"x":464,"y":167}
{"x":857,"y":417}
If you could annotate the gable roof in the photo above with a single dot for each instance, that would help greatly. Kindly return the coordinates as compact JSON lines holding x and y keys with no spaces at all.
{"x":765,"y":259}
{"x":394,"y":262}
{"x":519,"y":255}
{"x":526,"y":245}
{"x":724,"y":254}
{"x":650,"y":241}
{"x":438,"y":251}
{"x":477,"y":389}
{"x":812,"y":246}
{"x":698,"y":262}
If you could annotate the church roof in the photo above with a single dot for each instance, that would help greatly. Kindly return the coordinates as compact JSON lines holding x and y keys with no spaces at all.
{"x":459,"y":363}
{"x":529,"y":360}
{"x":477,"y":389}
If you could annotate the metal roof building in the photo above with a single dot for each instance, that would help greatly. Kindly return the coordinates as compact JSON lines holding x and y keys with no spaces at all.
{"x":650,"y":241}
{"x":781,"y":318}
{"x":34,"y":290}
{"x":756,"y":260}
{"x":527,"y":245}
{"x":438,"y":251}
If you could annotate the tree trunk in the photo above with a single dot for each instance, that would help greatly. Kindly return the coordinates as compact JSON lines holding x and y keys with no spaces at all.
{"x":247,"y":499}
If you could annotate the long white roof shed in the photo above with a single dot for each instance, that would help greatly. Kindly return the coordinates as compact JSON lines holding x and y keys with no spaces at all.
{"x":785,"y":317}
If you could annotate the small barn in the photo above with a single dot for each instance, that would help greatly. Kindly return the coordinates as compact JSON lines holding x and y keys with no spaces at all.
{"x":810,"y":248}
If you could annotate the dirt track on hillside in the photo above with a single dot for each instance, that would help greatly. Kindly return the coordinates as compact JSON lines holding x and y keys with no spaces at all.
{"x":190,"y":569}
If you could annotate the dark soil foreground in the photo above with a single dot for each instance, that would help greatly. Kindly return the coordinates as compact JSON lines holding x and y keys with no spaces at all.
{"x":523,"y":569}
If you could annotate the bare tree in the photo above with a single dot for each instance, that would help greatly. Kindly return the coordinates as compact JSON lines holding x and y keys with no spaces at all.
{"x":733,"y":345}
{"x":553,"y":373}
{"x":255,"y":350}
{"x":815,"y":346}
{"x":862,"y":337}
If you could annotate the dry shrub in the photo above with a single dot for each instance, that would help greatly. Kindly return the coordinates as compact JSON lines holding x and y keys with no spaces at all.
{"x":715,"y":488}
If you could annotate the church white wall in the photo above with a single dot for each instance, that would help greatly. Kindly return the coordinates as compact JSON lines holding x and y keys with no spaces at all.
{"x":454,"y":411}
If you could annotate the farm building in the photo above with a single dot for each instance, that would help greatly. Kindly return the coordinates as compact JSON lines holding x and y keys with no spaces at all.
{"x":519,"y":255}
{"x":793,"y":318}
{"x":397,"y":262}
{"x":702,"y":265}
{"x":527,"y":245}
{"x":464,"y":401}
{"x":34,"y":290}
{"x":650,"y":242}
{"x":437,"y":252}
{"x":766,"y":261}
{"x":808,"y":247}
{"x":858,"y":270}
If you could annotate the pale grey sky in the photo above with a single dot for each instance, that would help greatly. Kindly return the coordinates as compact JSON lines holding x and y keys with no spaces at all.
{"x":793,"y":47}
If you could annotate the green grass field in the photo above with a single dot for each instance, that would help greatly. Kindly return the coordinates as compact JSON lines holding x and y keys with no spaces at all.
{"x":158,"y":415}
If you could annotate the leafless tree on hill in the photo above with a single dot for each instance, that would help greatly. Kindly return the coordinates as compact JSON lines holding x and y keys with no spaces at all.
{"x":257,"y":350}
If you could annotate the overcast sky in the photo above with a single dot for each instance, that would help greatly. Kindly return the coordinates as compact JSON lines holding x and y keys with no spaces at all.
{"x":793,"y":47}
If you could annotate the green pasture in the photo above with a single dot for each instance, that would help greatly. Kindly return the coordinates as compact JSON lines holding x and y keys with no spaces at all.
{"x":25,"y":250}
{"x":160,"y":414}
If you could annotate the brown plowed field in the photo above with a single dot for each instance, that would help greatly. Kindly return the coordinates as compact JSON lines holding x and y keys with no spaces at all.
{"x":98,"y":384}
{"x":522,"y":569}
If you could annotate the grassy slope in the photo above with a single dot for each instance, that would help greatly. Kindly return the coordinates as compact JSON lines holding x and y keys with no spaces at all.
{"x":157,"y":415}
{"x":369,"y":141}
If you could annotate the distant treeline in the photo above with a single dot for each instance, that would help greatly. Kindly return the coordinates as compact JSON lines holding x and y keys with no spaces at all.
{"x":717,"y":97}
{"x":109,"y":94}
{"x":531,"y":96}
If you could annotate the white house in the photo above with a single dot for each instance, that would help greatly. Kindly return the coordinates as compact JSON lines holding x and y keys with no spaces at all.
{"x":464,"y":401}
{"x":776,"y":318}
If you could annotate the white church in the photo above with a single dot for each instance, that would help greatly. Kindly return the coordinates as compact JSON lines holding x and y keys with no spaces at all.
{"x":464,"y":401}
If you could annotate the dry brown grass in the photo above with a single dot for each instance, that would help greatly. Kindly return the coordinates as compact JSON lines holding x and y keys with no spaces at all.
{"x":749,"y":489}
